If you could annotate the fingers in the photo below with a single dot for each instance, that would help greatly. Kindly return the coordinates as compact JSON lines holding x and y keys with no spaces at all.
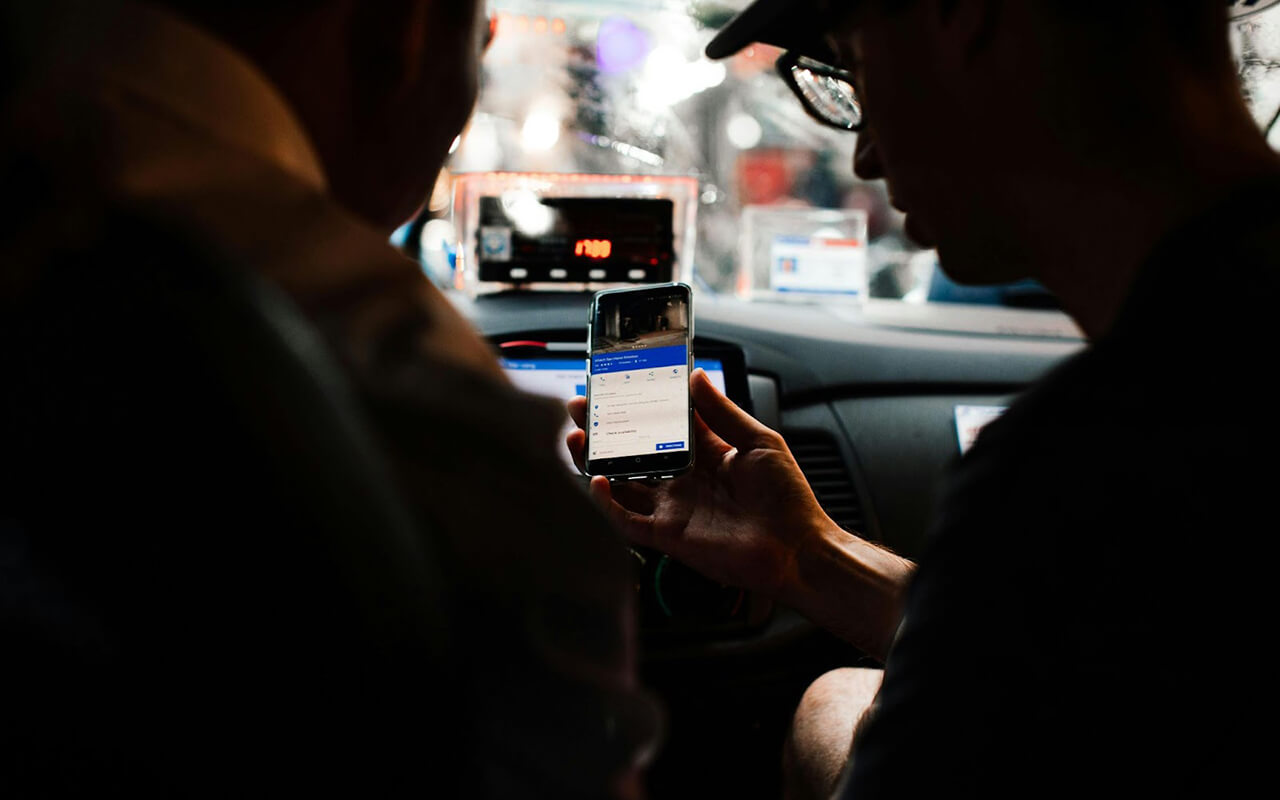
{"x":638,"y":528}
{"x":601,"y":493}
{"x":637,"y":496}
{"x":578,"y":411}
{"x":632,"y":496}
{"x":576,"y":441}
{"x":725,"y":419}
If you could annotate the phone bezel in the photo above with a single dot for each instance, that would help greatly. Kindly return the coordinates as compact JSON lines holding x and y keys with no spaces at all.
{"x":656,"y":465}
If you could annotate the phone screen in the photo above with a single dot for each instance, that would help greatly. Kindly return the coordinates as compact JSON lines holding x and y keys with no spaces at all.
{"x":638,"y":411}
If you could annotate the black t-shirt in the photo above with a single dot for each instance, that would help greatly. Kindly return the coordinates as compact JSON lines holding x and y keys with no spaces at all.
{"x":1092,"y":614}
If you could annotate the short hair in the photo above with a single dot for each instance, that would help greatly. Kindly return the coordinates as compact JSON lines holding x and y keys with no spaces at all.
{"x":238,"y":19}
{"x":203,"y":7}
{"x":236,"y":15}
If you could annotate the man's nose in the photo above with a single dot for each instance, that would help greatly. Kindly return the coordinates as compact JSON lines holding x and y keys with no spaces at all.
{"x":866,"y":158}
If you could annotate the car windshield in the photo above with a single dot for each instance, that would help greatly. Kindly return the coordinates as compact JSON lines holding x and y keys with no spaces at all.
{"x":621,"y":88}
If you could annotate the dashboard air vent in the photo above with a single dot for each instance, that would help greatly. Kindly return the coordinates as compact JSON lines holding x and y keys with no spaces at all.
{"x":823,"y":465}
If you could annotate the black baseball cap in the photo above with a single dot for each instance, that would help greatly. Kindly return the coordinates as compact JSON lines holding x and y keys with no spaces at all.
{"x":796,"y":25}
{"x":1243,"y":8}
{"x":790,"y":24}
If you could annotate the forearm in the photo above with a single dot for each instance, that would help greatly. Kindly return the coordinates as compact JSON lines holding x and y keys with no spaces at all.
{"x":852,"y":588}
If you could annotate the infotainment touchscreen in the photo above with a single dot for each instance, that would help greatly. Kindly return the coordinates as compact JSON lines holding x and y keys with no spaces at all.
{"x":563,"y":378}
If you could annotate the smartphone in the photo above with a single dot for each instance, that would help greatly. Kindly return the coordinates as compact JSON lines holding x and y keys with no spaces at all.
{"x":639,"y":414}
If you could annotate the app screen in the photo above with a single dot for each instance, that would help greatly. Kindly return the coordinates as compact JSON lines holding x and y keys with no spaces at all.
{"x":639,"y":400}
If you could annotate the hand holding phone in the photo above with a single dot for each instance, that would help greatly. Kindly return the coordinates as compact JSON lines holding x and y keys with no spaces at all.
{"x":639,"y":418}
{"x":741,"y":516}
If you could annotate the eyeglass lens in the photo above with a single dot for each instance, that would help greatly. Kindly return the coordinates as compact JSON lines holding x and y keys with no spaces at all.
{"x":832,"y":98}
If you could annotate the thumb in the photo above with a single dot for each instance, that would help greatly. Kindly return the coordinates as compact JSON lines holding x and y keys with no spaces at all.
{"x":725,"y":418}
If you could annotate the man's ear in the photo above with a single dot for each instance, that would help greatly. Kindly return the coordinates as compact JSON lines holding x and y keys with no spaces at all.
{"x":968,"y":25}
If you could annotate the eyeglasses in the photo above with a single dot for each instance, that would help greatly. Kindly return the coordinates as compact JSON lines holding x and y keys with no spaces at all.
{"x":826,"y":92}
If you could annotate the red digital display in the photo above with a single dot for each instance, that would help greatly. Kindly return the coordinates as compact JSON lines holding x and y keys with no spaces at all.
{"x":593,"y":248}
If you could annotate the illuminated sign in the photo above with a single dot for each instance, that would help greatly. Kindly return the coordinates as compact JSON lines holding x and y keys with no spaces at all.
{"x":573,"y":239}
{"x":593,"y":248}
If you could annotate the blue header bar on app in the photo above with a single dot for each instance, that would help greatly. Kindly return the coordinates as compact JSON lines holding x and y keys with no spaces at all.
{"x":570,"y":365}
{"x":652,"y":358}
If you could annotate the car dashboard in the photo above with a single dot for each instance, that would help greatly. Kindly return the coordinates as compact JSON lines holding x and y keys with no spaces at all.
{"x":874,"y":414}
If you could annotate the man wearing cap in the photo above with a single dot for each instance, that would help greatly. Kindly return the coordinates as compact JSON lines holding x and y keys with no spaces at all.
{"x":1089,"y":614}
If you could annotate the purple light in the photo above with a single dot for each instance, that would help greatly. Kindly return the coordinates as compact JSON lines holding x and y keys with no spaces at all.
{"x":620,"y":46}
